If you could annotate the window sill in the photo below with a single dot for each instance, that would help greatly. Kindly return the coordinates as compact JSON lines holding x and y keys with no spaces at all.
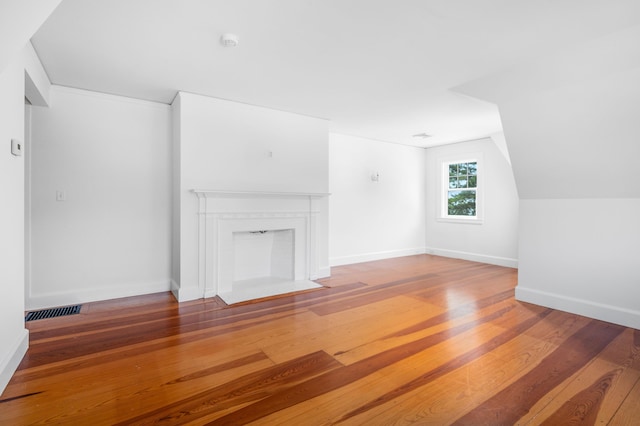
{"x":469,"y":221}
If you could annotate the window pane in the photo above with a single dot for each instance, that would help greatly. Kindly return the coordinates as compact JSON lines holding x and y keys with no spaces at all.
{"x":453,"y":170}
{"x":462,"y":169}
{"x":461,"y":203}
{"x":472,"y":168}
{"x":462,"y":182}
{"x":453,"y":183}
{"x":473,"y":182}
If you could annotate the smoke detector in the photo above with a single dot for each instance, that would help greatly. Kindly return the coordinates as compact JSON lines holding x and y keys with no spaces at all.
{"x":229,"y":40}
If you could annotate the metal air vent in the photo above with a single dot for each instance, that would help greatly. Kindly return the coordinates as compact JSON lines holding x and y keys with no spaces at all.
{"x":53,"y":312}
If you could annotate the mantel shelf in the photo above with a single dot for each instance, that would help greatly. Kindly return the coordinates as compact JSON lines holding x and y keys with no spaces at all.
{"x":212,"y":193}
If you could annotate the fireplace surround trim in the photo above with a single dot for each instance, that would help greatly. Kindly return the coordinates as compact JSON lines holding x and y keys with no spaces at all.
{"x":220,"y":212}
{"x":204,"y":193}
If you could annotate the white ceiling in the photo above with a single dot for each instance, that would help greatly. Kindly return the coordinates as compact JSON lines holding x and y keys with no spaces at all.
{"x":382,"y":69}
{"x":18,"y":21}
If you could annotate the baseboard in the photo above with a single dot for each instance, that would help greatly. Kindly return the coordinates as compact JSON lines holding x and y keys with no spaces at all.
{"x":324,"y":272}
{"x":175,"y":289}
{"x":14,"y":355}
{"x":185,"y":294}
{"x":368,"y":257}
{"x":95,"y":294}
{"x":474,"y":257}
{"x":207,"y":294}
{"x":194,"y":293}
{"x":587,"y":308}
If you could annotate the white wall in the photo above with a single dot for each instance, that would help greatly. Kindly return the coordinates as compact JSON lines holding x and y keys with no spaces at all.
{"x":111,"y":237}
{"x":24,"y":67}
{"x":13,"y":336}
{"x":495,"y":240}
{"x":176,"y":196}
{"x":225,"y":145}
{"x":581,"y":256}
{"x":375,"y":220}
{"x":574,"y":151}
{"x":571,"y":126}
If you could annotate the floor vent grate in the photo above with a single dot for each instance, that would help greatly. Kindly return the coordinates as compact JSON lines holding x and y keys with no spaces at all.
{"x":53,"y":312}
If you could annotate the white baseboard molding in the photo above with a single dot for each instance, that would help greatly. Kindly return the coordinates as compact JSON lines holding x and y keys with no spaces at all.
{"x":186,"y":294}
{"x":587,"y":308}
{"x":194,"y":293}
{"x":12,"y":358}
{"x":368,"y":257}
{"x":42,"y":301}
{"x":207,"y":294}
{"x":474,"y":257}
{"x":324,"y":272}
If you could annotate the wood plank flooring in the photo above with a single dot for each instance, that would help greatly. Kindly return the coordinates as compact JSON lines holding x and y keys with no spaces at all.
{"x":414,"y":340}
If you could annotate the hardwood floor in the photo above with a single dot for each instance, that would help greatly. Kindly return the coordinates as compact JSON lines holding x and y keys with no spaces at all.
{"x":420,"y":339}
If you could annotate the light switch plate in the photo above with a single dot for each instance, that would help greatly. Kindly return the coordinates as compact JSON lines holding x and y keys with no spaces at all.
{"x":16,"y":147}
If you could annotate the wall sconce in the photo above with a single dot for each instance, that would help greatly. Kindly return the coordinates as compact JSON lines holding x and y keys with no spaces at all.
{"x":375,"y":177}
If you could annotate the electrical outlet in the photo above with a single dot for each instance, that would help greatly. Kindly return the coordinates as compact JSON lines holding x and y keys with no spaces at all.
{"x":16,"y":147}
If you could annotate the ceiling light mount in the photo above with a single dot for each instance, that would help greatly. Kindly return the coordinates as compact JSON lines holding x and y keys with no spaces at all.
{"x":229,"y":40}
{"x":422,"y":135}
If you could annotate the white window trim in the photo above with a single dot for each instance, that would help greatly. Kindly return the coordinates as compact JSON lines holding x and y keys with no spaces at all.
{"x":443,"y":187}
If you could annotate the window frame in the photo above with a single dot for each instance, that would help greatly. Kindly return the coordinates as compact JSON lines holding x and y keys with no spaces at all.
{"x":443,"y":189}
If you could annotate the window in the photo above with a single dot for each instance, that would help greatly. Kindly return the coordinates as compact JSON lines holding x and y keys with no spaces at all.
{"x":463,"y":185}
{"x":461,"y":196}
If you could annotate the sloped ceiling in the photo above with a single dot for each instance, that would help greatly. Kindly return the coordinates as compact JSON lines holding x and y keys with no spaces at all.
{"x":571,"y":118}
{"x":19,"y":20}
{"x":380,"y":69}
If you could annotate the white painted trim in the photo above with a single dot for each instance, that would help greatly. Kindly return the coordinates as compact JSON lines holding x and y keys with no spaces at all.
{"x":15,"y":354}
{"x":175,"y":289}
{"x":442,"y":182}
{"x":452,"y":219}
{"x":256,"y":194}
{"x":28,"y":234}
{"x":368,"y":257}
{"x":91,"y":295}
{"x":185,"y":294}
{"x":324,"y":272}
{"x":587,"y":308}
{"x":474,"y":257}
{"x":217,"y":223}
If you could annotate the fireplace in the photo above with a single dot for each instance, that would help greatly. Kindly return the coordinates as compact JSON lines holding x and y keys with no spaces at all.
{"x":256,"y":244}
{"x":263,"y":255}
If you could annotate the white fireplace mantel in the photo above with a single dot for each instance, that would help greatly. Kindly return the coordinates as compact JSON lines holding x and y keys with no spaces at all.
{"x":213,"y":193}
{"x":223,"y":212}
